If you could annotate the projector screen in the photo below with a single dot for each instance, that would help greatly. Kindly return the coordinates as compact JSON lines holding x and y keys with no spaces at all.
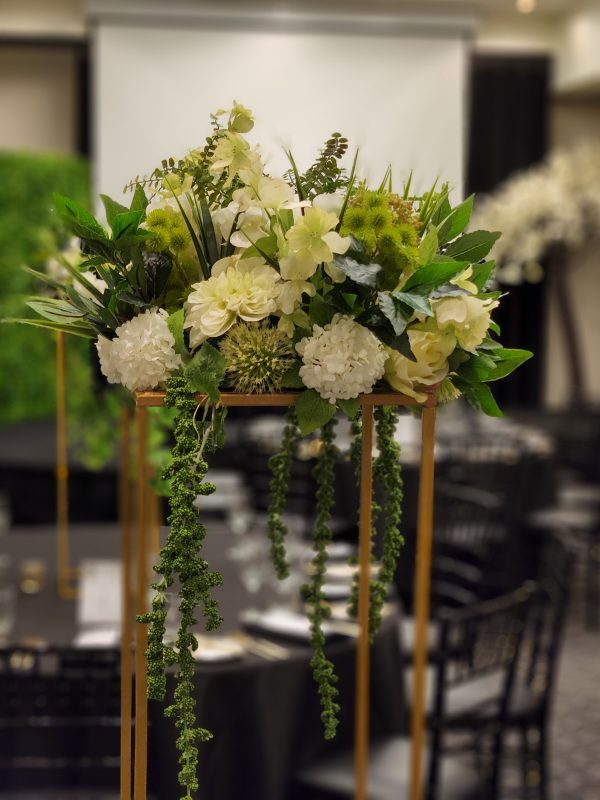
{"x":400,"y":100}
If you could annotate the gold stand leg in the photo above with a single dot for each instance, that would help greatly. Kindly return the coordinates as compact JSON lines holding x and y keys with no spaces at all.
{"x":126,"y":604}
{"x":422,"y":592}
{"x":361,"y":731}
{"x":64,"y":573}
{"x":141,"y":631}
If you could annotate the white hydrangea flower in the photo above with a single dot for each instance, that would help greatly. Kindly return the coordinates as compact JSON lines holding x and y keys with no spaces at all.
{"x":238,"y":289}
{"x":341,"y":360}
{"x":142,"y":354}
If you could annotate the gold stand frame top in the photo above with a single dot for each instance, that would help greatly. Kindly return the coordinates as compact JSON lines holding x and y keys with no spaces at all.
{"x":155,"y":399}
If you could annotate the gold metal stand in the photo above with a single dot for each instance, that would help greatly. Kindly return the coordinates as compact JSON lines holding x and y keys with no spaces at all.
{"x":125,"y":510}
{"x":65,"y":574}
{"x":368,"y":402}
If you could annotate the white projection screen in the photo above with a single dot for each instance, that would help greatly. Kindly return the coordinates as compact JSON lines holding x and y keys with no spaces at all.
{"x":400,"y":99}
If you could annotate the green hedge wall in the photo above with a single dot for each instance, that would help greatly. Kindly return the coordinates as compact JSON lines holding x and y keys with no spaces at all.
{"x":28,"y":228}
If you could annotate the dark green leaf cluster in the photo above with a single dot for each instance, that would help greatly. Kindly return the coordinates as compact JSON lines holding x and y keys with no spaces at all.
{"x":181,"y":558}
{"x":280,"y":465}
{"x":318,"y":609}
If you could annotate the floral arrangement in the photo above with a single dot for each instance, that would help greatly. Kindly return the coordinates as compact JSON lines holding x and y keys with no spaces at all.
{"x":555,"y":202}
{"x":219,"y":276}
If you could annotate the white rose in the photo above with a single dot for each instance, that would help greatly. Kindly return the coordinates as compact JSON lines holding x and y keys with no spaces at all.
{"x":467,"y":317}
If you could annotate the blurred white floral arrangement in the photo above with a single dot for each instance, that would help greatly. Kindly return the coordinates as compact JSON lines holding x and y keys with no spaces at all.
{"x":555,"y":202}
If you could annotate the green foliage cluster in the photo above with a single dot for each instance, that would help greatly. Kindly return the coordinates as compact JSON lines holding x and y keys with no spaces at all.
{"x":29,"y":234}
{"x":181,"y":557}
{"x":326,"y":175}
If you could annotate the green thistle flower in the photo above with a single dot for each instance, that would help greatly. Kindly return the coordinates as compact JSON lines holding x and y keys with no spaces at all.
{"x":378,"y":219}
{"x":257,"y":357}
{"x":447,"y":392}
{"x":168,"y":231}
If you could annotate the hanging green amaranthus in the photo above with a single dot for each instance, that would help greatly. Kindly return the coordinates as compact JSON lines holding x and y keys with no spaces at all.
{"x":280,"y":465}
{"x":318,"y":608}
{"x":181,"y":557}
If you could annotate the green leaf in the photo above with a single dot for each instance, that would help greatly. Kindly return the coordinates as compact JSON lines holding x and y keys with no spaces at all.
{"x":205,"y":371}
{"x":482,"y":273}
{"x":351,"y":408}
{"x":415,"y":301}
{"x":479,"y":396}
{"x":77,"y":328}
{"x":495,"y":327}
{"x":297,"y":179}
{"x":112,"y":208}
{"x":313,"y":411}
{"x":456,"y":221}
{"x":320,"y":311}
{"x":139,"y":201}
{"x":477,"y":369}
{"x":507,"y":360}
{"x":472,"y":247}
{"x":208,"y":231}
{"x":204,"y":266}
{"x":291,"y":378}
{"x":79,"y":219}
{"x":442,"y":211}
{"x":175,"y":323}
{"x":266,"y":244}
{"x":379,"y":324}
{"x":433,"y":275}
{"x":126,"y":224}
{"x":55,"y":310}
{"x":428,"y":246}
{"x":393,"y":311}
{"x":350,"y":299}
{"x":363,"y":274}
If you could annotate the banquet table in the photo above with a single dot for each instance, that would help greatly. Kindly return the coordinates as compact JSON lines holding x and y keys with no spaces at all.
{"x":264,"y":714}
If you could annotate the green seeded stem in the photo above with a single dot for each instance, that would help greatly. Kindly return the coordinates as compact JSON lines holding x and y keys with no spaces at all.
{"x":280,"y":465}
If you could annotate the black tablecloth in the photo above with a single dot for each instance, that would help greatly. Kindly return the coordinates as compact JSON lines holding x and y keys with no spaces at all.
{"x":265,"y":715}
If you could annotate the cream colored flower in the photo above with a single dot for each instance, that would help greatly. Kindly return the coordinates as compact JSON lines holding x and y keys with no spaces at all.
{"x":223,"y":219}
{"x":311,"y":241}
{"x":290,"y":295}
{"x":252,"y":225}
{"x":431,"y":349}
{"x":142,"y":354}
{"x":467,"y":317}
{"x":341,"y":360}
{"x":232,"y":154}
{"x":245,"y":289}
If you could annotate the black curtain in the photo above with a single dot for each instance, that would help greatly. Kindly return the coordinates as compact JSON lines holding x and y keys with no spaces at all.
{"x":508,"y":132}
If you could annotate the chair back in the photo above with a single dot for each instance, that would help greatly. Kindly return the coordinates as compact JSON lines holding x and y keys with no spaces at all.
{"x":479,"y":645}
{"x":552,"y":601}
{"x":59,"y":718}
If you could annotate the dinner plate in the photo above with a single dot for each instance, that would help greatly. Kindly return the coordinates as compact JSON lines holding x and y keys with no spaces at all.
{"x":218,"y":648}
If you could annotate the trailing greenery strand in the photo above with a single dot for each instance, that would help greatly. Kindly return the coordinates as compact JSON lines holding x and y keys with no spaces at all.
{"x":318,"y":609}
{"x":280,"y":465}
{"x":181,"y":557}
{"x":388,"y":472}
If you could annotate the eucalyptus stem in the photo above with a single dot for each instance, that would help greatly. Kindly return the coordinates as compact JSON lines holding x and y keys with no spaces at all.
{"x":318,"y":608}
{"x":181,"y":557}
{"x":280,"y":465}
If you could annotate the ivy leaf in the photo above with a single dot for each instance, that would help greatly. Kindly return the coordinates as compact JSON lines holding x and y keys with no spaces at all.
{"x":363,"y":274}
{"x":351,"y":408}
{"x":313,"y":411}
{"x":472,"y":247}
{"x":393,"y":311}
{"x":433,"y":275}
{"x":175,"y":323}
{"x":291,"y":378}
{"x":428,"y":246}
{"x":479,"y":396}
{"x":507,"y":360}
{"x":205,"y":371}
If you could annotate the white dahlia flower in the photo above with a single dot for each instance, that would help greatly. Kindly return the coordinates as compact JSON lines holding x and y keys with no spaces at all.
{"x":238,"y":289}
{"x":341,"y":360}
{"x":142,"y":354}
